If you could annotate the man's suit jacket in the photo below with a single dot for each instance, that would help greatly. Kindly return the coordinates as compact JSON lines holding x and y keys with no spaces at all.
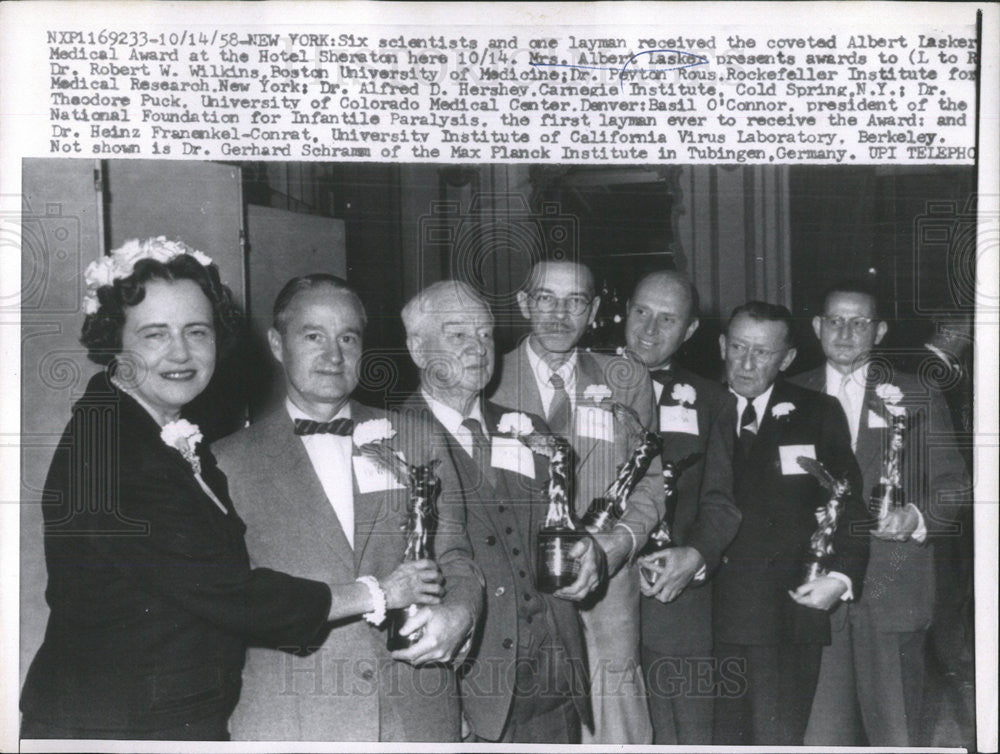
{"x":596,"y":460}
{"x":765,"y":560}
{"x":151,"y":594}
{"x":350,"y":689}
{"x":706,"y":517}
{"x":487,"y":675}
{"x":899,"y":585}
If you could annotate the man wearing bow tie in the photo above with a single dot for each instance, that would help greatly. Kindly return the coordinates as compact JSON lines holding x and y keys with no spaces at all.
{"x":870,"y":687}
{"x":770,"y":626}
{"x":695,"y":419}
{"x":524,"y":680}
{"x":548,"y":375}
{"x":314,"y":506}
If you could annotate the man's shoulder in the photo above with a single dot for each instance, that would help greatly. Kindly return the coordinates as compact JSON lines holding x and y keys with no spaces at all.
{"x":812,"y":379}
{"x":807,"y":398}
{"x":269,"y":425}
{"x":620,"y":373}
{"x":713,"y":391}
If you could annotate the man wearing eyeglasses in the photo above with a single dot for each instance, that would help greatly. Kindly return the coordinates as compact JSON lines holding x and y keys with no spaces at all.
{"x":548,"y":375}
{"x":770,"y":627}
{"x":870,"y":687}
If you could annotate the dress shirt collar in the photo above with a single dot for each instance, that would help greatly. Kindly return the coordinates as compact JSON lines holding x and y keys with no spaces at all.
{"x":452,"y":420}
{"x":759,"y":404}
{"x":543,"y":372}
{"x":856,"y":383}
{"x":297,"y":413}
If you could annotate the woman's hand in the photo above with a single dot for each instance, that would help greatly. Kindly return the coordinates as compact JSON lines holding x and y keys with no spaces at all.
{"x":413,"y":582}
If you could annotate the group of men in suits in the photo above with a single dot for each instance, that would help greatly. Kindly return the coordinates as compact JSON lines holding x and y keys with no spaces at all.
{"x":725,"y":643}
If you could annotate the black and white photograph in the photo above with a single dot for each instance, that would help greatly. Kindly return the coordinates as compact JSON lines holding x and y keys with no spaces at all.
{"x":432,"y":291}
{"x":646,"y":444}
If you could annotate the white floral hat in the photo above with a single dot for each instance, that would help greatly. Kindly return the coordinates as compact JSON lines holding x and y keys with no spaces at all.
{"x":121,"y":262}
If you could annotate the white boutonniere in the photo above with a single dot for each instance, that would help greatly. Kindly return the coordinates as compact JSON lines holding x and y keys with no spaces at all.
{"x":516,"y":424}
{"x":373,"y":430}
{"x":597,"y":393}
{"x":891,"y":397}
{"x":684,"y":394}
{"x":183,"y":436}
{"x":782,"y":409}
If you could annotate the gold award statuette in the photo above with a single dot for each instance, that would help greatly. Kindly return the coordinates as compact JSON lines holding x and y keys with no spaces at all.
{"x":424,"y":487}
{"x":821,"y":542}
{"x":556,"y":569}
{"x":607,"y":509}
{"x":662,"y":537}
{"x":887,"y":495}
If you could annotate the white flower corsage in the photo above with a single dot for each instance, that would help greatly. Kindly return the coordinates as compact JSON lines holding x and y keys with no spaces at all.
{"x":684,"y":394}
{"x":891,"y":397}
{"x":597,"y":393}
{"x":121,"y":262}
{"x":782,"y":409}
{"x":183,"y":436}
{"x":373,"y":430}
{"x":516,"y":424}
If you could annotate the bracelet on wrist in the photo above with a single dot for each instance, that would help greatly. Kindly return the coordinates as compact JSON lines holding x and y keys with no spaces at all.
{"x":377,"y":613}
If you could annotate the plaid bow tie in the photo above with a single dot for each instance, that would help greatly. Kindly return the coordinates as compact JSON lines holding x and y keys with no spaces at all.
{"x":342,"y":427}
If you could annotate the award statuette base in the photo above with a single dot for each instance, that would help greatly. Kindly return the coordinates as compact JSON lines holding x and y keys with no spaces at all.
{"x":556,"y":569}
{"x":395,"y":620}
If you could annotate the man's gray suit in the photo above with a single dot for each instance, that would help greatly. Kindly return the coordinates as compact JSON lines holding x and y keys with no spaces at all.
{"x":611,"y":622}
{"x":350,"y":689}
{"x":876,"y":658}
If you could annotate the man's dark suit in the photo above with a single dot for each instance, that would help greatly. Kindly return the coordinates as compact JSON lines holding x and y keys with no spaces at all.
{"x":503,"y":515}
{"x":754,"y":616}
{"x":151,"y":594}
{"x":875,"y":664}
{"x":677,"y":636}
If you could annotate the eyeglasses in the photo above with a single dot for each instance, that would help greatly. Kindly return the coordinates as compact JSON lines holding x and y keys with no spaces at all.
{"x":575,"y":304}
{"x":854,"y":324}
{"x":740,"y":350}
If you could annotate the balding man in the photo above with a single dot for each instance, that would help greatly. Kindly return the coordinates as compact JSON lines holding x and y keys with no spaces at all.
{"x":695,"y":418}
{"x":524,"y":680}
{"x":547,"y":374}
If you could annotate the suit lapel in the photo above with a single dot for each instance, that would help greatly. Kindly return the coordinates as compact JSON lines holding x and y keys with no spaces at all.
{"x":385,"y":509}
{"x":529,"y":399}
{"x":869,"y":448}
{"x":292,"y":474}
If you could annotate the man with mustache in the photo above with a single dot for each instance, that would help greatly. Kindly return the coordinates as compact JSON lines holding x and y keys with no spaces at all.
{"x":524,"y":680}
{"x":313,"y":506}
{"x":548,"y":375}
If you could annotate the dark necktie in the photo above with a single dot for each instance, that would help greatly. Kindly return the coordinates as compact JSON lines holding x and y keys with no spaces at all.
{"x":663,"y":376}
{"x":342,"y":427}
{"x":748,"y":428}
{"x":480,"y":448}
{"x":559,"y":408}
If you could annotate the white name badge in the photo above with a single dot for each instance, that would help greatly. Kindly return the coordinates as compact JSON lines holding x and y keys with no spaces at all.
{"x":372,"y":476}
{"x":595,"y":423}
{"x":513,"y":455}
{"x":789,"y":458}
{"x":678,"y":419}
{"x":875,"y":420}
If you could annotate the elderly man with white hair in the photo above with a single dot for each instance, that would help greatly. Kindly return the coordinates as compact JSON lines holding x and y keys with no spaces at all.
{"x":524,"y":679}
